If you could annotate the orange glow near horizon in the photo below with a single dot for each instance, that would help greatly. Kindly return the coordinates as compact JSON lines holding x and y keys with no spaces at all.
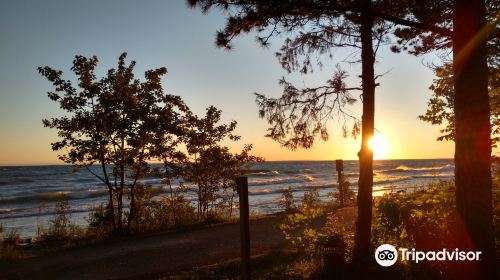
{"x":380,"y":146}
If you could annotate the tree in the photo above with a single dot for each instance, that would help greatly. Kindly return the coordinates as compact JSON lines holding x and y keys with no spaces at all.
{"x":167,"y":140}
{"x":472,"y":129}
{"x":441,"y":105}
{"x":111,"y":122}
{"x":440,"y":108}
{"x":362,"y":239}
{"x":427,"y":26}
{"x":298,"y":116}
{"x":210,"y":166}
{"x":469,"y":40}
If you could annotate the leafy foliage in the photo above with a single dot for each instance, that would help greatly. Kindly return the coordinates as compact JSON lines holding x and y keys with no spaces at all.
{"x":287,"y":202}
{"x":423,"y":218}
{"x":210,"y":166}
{"x":324,"y":247}
{"x":120,"y":123}
{"x":300,"y":114}
{"x":112,"y":122}
{"x":344,"y":195}
{"x":99,"y":227}
{"x":426,"y":220}
{"x":10,"y":246}
{"x":299,"y":227}
{"x":440,"y":106}
{"x":312,"y":30}
{"x":61,"y":229}
{"x":436,"y":18}
{"x":168,"y":211}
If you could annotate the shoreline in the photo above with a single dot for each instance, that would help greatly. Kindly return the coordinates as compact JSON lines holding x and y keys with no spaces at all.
{"x":24,"y":190}
{"x":79,"y":217}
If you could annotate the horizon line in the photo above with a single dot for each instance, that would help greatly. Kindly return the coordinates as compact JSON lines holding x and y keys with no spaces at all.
{"x":289,"y":160}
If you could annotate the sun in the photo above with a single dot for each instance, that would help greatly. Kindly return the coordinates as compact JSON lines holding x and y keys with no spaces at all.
{"x":379,"y":146}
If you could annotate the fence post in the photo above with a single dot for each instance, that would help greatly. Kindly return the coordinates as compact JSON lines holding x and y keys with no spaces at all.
{"x":242,"y":188}
{"x":339,"y":166}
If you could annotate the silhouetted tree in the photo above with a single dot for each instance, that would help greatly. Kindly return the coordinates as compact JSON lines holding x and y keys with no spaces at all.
{"x":472,"y":129}
{"x":427,"y":26}
{"x":167,"y":141}
{"x":111,"y":122}
{"x":475,"y":25}
{"x":210,"y":166}
{"x":298,"y":116}
{"x":440,"y":108}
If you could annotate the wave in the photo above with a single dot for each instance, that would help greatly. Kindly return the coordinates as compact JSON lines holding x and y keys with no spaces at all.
{"x":394,"y":179}
{"x":262,"y":172}
{"x":24,"y":213}
{"x":53,"y":197}
{"x":304,"y":188}
{"x":280,"y":184}
{"x":302,"y":178}
{"x":386,"y":180}
{"x":96,"y":193}
{"x":404,"y":168}
{"x":43,"y":197}
{"x":434,"y":176}
{"x":6,"y":210}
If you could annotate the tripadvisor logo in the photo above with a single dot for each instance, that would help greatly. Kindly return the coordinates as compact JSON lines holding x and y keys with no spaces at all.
{"x":387,"y":255}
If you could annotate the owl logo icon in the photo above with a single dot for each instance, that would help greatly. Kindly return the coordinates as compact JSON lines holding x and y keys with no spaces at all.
{"x":386,"y":255}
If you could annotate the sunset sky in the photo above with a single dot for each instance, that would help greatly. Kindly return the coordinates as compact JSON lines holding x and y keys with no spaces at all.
{"x":167,"y":33}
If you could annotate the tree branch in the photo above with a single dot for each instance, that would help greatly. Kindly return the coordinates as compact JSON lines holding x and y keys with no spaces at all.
{"x":419,"y":25}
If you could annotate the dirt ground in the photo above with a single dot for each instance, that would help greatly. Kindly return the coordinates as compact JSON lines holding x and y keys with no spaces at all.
{"x":147,"y":256}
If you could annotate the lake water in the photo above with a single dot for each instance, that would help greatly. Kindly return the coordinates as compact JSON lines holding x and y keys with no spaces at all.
{"x":28,"y":194}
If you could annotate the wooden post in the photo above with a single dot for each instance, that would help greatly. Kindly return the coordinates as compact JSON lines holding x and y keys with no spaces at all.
{"x":242,"y":185}
{"x":339,"y":166}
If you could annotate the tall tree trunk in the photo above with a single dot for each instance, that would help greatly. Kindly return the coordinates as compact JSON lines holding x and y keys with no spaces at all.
{"x":110,"y":192}
{"x":473,"y":133}
{"x":365,"y":184}
{"x":120,"y":199}
{"x":132,"y":193}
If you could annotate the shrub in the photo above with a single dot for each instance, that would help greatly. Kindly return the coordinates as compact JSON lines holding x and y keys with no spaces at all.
{"x":10,"y":245}
{"x":426,"y":220}
{"x":344,"y":195}
{"x":61,"y":229}
{"x":324,"y":247}
{"x":167,"y":211}
{"x":182,"y":212}
{"x":287,"y":202}
{"x":144,"y":218}
{"x":299,"y":227}
{"x":100,"y":222}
